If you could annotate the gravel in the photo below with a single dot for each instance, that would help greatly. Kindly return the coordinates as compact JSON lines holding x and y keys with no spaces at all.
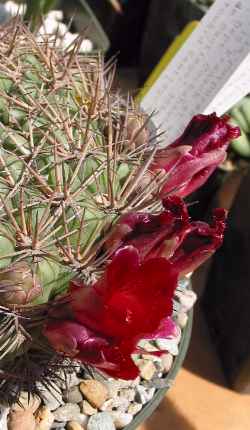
{"x":109,"y":404}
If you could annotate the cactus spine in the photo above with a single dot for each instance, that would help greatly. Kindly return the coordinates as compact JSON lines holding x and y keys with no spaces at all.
{"x":73,"y":158}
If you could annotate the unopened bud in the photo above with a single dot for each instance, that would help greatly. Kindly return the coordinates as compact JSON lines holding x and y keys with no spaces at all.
{"x":18,"y":286}
{"x":137,"y":132}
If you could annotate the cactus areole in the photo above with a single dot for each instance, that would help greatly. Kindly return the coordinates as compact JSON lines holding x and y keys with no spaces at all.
{"x":93,"y":231}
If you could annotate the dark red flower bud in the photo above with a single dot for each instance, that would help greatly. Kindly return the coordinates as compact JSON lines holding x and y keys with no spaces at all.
{"x":199,"y":242}
{"x":171,"y":234}
{"x":202,"y":147}
{"x":146,"y":232}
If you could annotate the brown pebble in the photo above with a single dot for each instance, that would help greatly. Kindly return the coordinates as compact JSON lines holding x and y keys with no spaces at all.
{"x":27,"y":401}
{"x":73,"y":425}
{"x":44,"y":418}
{"x":21,"y":420}
{"x":94,"y":391}
{"x":86,"y":408}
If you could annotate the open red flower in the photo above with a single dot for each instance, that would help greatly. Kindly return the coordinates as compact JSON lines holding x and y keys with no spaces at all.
{"x":193,"y":157}
{"x":170,"y":234}
{"x":132,"y":301}
{"x":130,"y":288}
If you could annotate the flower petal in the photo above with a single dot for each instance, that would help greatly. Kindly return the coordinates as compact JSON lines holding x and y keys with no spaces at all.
{"x":147,"y":291}
{"x":117,"y":361}
{"x":167,"y":329}
{"x":146,"y":232}
{"x":76,"y":341}
{"x":192,"y":173}
{"x":208,"y":136}
{"x":199,"y":242}
{"x":168,"y":158}
{"x":68,"y":337}
{"x":117,"y":304}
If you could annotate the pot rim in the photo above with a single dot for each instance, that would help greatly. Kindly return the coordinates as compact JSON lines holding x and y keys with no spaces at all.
{"x":150,"y":407}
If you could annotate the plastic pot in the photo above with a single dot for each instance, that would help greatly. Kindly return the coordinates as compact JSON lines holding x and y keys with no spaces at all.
{"x":150,"y":407}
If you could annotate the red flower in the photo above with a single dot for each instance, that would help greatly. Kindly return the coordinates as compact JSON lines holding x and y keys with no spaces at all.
{"x":133,"y":298}
{"x":147,"y":232}
{"x":132,"y":301}
{"x":103,"y":324}
{"x":170,"y":235}
{"x":199,"y":242}
{"x":193,"y":157}
{"x":107,"y":354}
{"x":129,"y":289}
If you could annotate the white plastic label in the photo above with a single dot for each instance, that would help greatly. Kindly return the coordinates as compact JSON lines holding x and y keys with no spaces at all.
{"x":210,"y":73}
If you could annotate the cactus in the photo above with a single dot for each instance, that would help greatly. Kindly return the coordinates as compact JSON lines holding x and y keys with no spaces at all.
{"x":71,"y":161}
{"x":87,"y":247}
{"x":240,"y":115}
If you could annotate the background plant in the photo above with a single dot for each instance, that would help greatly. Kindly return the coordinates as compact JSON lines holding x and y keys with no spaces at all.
{"x":38,"y":8}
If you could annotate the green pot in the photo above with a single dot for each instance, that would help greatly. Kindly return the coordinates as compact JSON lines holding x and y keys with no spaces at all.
{"x":150,"y":407}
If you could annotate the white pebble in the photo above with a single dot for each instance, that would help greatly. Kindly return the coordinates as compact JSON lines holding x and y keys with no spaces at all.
{"x":150,"y":393}
{"x":86,"y":46}
{"x":135,"y":382}
{"x":82,"y":419}
{"x":187,"y":299}
{"x":49,"y":26}
{"x":101,"y":421}
{"x":120,"y":403}
{"x":147,"y":346}
{"x":68,"y":38}
{"x":121,"y":419}
{"x":57,"y":15}
{"x":134,"y":408}
{"x":86,"y":408}
{"x":167,"y":361}
{"x":108,"y":405}
{"x":169,"y":345}
{"x":67,"y":412}
{"x":127,"y":393}
{"x":13,"y":9}
{"x":147,"y":370}
{"x":113,"y":387}
{"x":144,"y":394}
{"x":151,"y":357}
{"x":3,"y":417}
{"x":182,"y":319}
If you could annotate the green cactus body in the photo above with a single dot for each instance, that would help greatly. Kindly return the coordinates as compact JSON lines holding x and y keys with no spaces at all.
{"x":72,"y":156}
{"x":241,"y":116}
